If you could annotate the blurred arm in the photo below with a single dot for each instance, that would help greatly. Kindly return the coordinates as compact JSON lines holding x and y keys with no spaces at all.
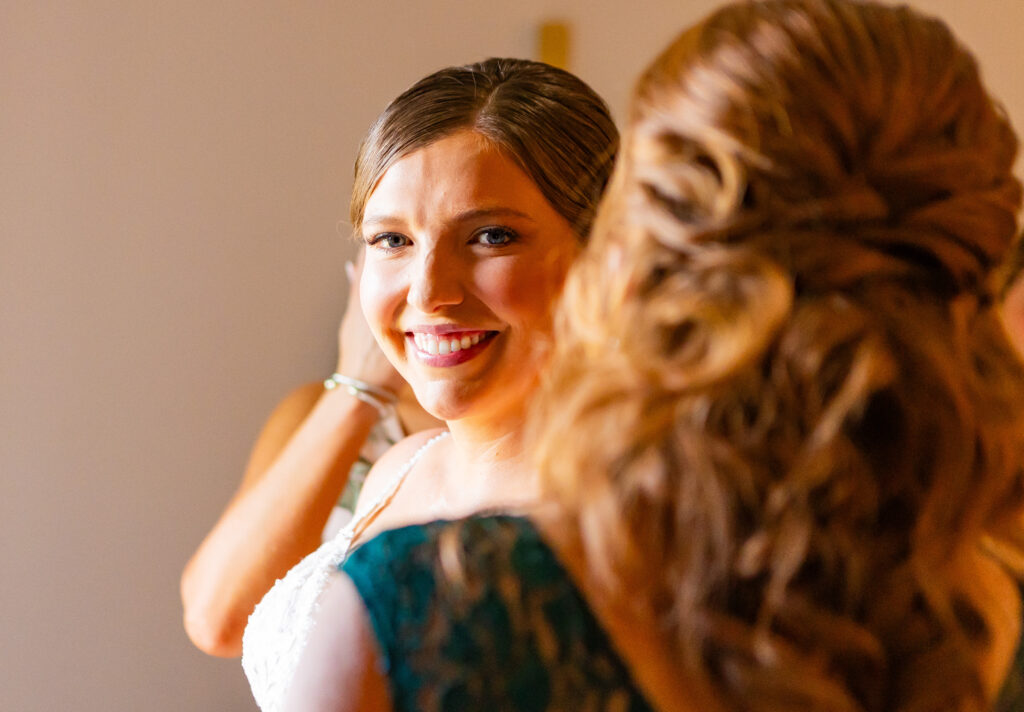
{"x":297,"y":469}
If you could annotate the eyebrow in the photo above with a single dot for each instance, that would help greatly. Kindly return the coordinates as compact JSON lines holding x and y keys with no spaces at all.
{"x":465,"y":216}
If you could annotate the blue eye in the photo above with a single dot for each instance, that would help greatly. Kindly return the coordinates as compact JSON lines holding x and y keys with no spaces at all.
{"x":496,"y":236}
{"x":389,"y":240}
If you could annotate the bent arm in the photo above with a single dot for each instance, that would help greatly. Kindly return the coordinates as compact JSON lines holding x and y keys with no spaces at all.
{"x":297,"y":469}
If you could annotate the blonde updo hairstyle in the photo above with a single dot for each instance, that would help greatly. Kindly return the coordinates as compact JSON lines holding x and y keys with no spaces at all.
{"x":548,"y":121}
{"x":782,"y":407}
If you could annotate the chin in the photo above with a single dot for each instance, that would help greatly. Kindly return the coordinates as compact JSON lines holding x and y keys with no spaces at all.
{"x":442,"y":405}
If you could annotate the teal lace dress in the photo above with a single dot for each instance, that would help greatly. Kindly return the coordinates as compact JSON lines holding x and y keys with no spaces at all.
{"x":485,"y":618}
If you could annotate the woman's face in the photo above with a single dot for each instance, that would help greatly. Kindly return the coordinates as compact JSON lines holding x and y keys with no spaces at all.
{"x":464,"y":260}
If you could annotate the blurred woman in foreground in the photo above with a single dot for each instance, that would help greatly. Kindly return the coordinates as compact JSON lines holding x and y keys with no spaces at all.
{"x":784,"y":429}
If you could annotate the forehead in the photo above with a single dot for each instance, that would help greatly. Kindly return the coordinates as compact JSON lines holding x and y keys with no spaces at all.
{"x":461,"y":172}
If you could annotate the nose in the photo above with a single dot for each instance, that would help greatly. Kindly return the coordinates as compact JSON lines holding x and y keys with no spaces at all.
{"x":436,"y":282}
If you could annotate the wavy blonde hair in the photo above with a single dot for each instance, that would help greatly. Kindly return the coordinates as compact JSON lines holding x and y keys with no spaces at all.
{"x":782,"y":402}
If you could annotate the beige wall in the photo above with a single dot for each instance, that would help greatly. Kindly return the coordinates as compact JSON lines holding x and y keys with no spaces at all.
{"x":172,"y":176}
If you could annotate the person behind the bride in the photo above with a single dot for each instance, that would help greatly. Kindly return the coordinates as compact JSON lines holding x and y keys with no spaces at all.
{"x":783,"y":429}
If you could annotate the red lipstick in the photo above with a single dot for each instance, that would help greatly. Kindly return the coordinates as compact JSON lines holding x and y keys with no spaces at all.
{"x":444,"y":346}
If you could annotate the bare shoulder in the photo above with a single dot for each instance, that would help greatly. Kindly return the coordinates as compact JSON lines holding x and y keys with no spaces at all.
{"x":380,"y":475}
{"x":339,"y":670}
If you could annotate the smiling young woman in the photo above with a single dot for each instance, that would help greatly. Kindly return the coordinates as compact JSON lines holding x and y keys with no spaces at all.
{"x":474,"y":191}
{"x":462,"y":247}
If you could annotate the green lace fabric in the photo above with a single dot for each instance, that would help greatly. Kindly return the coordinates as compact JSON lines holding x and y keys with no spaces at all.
{"x":479,"y":614}
{"x":384,"y":434}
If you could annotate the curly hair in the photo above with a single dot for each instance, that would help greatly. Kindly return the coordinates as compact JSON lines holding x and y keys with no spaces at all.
{"x":782,"y":410}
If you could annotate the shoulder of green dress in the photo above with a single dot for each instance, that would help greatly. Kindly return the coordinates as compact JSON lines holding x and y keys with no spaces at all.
{"x":478,"y":529}
{"x":480,"y":546}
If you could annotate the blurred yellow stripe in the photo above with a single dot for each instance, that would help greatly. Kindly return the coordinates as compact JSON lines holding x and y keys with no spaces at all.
{"x":553,"y":44}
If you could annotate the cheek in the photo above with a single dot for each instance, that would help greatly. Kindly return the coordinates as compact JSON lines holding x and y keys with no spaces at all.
{"x":375,"y":298}
{"x":523,"y":291}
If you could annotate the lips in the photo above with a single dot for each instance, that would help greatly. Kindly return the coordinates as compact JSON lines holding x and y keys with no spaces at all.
{"x":448,"y":347}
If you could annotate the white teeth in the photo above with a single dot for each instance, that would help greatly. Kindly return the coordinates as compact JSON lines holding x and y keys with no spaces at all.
{"x":429,"y":343}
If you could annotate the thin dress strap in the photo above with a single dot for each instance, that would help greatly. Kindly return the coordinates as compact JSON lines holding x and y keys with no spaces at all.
{"x":279,"y":626}
{"x":362,"y":520}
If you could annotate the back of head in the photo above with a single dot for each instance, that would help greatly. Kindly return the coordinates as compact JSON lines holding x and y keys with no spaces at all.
{"x":794,"y":413}
{"x":554,"y":126}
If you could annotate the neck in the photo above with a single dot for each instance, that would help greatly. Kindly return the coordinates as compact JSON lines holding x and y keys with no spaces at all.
{"x":491,"y":470}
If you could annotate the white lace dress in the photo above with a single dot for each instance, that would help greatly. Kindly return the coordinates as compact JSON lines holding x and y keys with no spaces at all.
{"x":279,"y":626}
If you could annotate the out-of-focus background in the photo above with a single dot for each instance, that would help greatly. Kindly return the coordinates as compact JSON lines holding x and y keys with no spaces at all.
{"x":174,"y":183}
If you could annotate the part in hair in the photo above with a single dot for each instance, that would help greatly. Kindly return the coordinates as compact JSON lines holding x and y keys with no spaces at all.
{"x":554,"y":126}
